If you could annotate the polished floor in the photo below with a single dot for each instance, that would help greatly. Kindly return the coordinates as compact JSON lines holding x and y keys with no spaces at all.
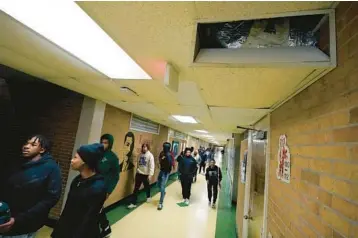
{"x":195,"y":221}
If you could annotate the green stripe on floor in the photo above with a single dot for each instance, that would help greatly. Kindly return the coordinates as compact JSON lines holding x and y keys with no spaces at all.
{"x":226,"y":216}
{"x":121,"y":210}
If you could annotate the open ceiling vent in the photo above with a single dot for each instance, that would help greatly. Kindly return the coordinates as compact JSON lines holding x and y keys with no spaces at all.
{"x":304,"y":38}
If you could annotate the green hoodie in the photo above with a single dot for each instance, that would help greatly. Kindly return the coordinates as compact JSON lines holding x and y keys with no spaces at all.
{"x":109,"y":165}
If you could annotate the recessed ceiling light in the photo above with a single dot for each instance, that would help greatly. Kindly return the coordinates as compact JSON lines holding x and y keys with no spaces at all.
{"x":68,"y":26}
{"x":207,"y":136}
{"x":201,"y":131}
{"x":185,"y":119}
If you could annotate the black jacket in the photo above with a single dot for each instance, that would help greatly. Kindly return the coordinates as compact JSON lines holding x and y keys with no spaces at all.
{"x":165,"y":159}
{"x":213,"y":175}
{"x":31,"y":190}
{"x":79,"y":219}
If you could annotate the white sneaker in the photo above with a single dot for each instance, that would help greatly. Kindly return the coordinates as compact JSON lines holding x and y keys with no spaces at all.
{"x":149,"y":200}
{"x":187,"y":202}
{"x":131,"y":206}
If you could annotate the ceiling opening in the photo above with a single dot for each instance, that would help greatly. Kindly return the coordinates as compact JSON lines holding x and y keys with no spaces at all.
{"x":302,"y":38}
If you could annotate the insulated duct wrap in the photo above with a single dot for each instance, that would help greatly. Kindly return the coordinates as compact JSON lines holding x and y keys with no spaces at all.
{"x":276,"y":32}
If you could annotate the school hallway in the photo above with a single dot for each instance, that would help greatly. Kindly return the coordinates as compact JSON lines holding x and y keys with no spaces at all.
{"x":269,"y":88}
{"x":198,"y":220}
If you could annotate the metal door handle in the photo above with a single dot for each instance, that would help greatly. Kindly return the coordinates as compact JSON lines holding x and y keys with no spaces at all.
{"x":246,"y":217}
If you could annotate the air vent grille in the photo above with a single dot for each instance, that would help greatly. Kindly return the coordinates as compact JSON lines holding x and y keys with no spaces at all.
{"x":144,"y":125}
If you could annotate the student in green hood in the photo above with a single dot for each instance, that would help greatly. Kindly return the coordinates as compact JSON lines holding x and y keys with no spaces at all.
{"x":109,"y":169}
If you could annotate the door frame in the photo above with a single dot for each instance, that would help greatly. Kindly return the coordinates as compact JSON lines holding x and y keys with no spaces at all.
{"x":267,"y":177}
{"x":245,"y":223}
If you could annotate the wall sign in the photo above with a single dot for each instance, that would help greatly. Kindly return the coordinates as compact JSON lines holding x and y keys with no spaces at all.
{"x":243,"y":167}
{"x":175,"y":148}
{"x":283,"y":158}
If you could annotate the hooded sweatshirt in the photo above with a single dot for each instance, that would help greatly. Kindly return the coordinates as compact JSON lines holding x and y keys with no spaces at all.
{"x":80,"y":217}
{"x":109,"y":166}
{"x":187,"y":166}
{"x":166,"y":159}
{"x":146,"y":164}
{"x":31,"y":191}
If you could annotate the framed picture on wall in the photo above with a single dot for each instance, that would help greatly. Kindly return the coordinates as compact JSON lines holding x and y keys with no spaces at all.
{"x":175,"y":148}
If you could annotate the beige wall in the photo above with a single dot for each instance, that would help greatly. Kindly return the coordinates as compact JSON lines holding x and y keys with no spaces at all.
{"x":116,"y":122}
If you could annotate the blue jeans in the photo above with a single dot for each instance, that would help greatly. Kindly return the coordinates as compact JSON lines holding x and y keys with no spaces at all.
{"x":162,"y":181}
{"x":31,"y":235}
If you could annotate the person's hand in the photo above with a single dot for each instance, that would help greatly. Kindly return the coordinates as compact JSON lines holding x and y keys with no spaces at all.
{"x":7,"y":226}
{"x":149,"y":178}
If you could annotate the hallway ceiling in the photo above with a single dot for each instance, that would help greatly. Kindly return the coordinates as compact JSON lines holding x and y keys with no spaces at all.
{"x":153,"y":33}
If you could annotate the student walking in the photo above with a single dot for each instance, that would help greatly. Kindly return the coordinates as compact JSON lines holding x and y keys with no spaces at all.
{"x":198,"y":160}
{"x":109,"y":168}
{"x":204,"y":158}
{"x":80,"y":217}
{"x":187,"y":170}
{"x":166,"y":164}
{"x":213,"y":178}
{"x":145,"y":172}
{"x":30,"y":189}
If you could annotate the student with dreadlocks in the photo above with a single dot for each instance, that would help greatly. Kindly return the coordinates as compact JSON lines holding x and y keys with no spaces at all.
{"x":30,"y":189}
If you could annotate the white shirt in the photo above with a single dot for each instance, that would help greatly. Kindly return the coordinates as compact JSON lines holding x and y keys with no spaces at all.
{"x":145,"y":164}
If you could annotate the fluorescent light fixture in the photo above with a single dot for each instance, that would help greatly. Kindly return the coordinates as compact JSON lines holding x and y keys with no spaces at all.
{"x":185,"y":119}
{"x":68,"y":26}
{"x":202,"y":131}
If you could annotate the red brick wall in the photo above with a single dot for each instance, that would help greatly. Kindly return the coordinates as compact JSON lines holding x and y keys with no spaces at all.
{"x":39,"y":107}
{"x":321,"y":124}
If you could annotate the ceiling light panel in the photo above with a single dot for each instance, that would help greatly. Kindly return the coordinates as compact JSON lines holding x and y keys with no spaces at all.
{"x":202,"y":131}
{"x":68,"y":26}
{"x":185,"y":119}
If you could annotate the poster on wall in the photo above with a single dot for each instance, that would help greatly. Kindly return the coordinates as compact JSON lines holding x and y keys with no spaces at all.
{"x":283,"y":158}
{"x":128,"y":148}
{"x":175,"y":147}
{"x":243,"y":168}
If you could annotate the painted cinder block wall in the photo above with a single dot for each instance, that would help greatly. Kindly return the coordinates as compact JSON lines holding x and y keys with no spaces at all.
{"x":117,"y":123}
{"x":321,"y":124}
